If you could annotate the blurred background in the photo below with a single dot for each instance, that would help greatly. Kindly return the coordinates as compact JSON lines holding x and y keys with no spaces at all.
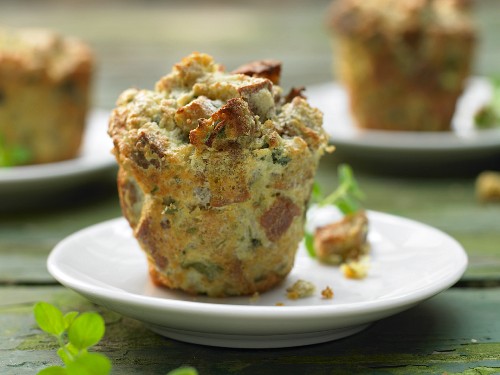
{"x":136,"y":42}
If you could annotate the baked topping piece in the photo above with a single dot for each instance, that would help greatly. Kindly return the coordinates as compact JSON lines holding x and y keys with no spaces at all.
{"x":342,"y":240}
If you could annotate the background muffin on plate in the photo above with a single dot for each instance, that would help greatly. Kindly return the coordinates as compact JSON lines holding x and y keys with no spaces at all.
{"x":215,"y":172}
{"x":44,"y":95}
{"x":403,"y":63}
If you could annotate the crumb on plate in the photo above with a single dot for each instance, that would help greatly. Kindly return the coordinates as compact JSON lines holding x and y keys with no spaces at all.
{"x":300,"y":289}
{"x":327,"y":293}
{"x":356,"y":269}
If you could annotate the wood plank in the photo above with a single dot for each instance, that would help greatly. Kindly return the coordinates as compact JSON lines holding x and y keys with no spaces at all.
{"x":455,"y":332}
{"x":27,"y":236}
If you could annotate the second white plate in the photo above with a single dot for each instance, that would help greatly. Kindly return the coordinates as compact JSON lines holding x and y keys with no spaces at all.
{"x":95,"y":158}
{"x":463,"y":142}
{"x":410,"y":263}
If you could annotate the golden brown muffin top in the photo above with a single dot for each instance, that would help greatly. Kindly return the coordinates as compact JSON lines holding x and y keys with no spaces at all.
{"x":201,"y":105}
{"x":42,"y":51}
{"x":369,"y":17}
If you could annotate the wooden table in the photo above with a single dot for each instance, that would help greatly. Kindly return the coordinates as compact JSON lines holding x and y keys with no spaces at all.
{"x":457,"y":331}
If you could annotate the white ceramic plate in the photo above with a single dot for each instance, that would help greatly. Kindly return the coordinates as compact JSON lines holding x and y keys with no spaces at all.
{"x":94,"y":158}
{"x":463,"y":142}
{"x":410,"y":262}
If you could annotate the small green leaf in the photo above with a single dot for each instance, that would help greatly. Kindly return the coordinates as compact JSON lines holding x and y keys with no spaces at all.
{"x":53,"y":370}
{"x":347,"y":194}
{"x":63,"y":354}
{"x":90,"y":364}
{"x":345,"y":197}
{"x":488,"y":116}
{"x":86,"y":330}
{"x":68,"y":353}
{"x":316,"y":193}
{"x":347,"y":205}
{"x":49,"y":318}
{"x":69,"y":318}
{"x":183,"y":371}
{"x":309,"y":243}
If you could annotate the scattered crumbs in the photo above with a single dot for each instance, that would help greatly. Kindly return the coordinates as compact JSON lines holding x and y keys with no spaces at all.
{"x":254,"y":297}
{"x":300,"y":289}
{"x":327,"y":293}
{"x":488,"y":186}
{"x":280,"y":304}
{"x":356,"y":269}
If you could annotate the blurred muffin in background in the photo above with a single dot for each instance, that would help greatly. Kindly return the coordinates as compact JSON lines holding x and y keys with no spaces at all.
{"x":44,"y":95}
{"x":215,"y":172}
{"x":403,"y":63}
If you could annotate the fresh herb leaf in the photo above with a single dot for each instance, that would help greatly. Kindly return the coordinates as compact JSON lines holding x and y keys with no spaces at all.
{"x":488,"y":116}
{"x":69,"y":318}
{"x":81,"y":331}
{"x":183,"y":371}
{"x":49,"y":318}
{"x":316,"y":194}
{"x":89,"y":364}
{"x":86,"y":330}
{"x":346,"y":197}
{"x":309,"y":242}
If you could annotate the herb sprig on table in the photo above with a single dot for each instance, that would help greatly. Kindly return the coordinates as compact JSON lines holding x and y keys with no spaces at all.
{"x":346,"y":197}
{"x":489,"y":115}
{"x":76,"y":333}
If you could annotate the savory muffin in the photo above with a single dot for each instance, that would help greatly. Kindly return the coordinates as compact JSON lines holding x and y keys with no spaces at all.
{"x":44,"y":95}
{"x":215,"y":172}
{"x":403,"y":63}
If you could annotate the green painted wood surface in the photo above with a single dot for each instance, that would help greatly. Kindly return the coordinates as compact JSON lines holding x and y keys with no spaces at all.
{"x":455,"y":332}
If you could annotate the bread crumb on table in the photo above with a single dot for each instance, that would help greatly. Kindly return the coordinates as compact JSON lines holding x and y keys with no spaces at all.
{"x":488,"y":186}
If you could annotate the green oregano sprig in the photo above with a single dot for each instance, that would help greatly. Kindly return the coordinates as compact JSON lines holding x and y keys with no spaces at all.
{"x":75,"y":333}
{"x":346,"y":197}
